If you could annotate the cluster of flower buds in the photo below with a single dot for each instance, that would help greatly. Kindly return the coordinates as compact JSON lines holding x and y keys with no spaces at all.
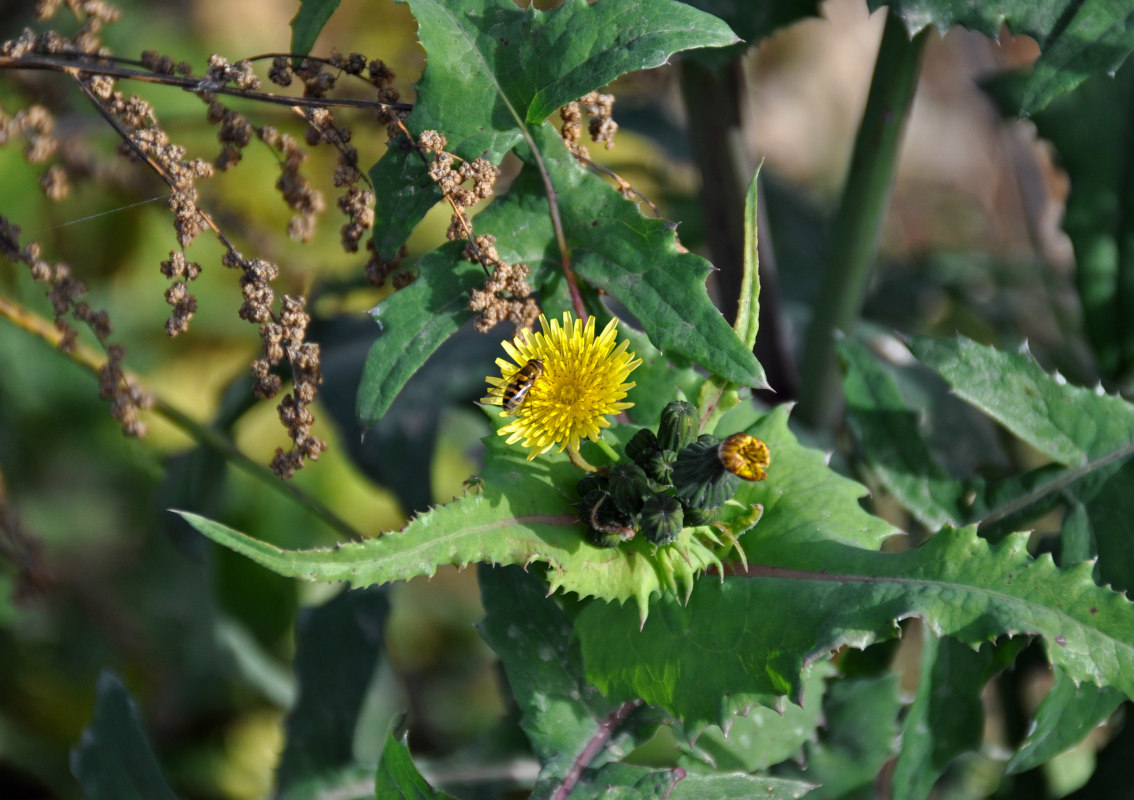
{"x":674,"y":479}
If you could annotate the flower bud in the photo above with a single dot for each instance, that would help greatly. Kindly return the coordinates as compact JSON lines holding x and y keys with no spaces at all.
{"x":662,"y":519}
{"x":745,"y":456}
{"x":591,"y":482}
{"x":659,"y":468}
{"x":701,"y":516}
{"x":628,"y":487}
{"x":699,"y":477}
{"x":679,"y":425}
{"x":641,"y":445}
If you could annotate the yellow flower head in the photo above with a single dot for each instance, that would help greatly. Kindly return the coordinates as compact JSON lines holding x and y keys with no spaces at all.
{"x":582,"y":381}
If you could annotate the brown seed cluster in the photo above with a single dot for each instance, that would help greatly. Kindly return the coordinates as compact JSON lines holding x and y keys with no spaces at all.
{"x":282,"y":320}
{"x":65,"y":292}
{"x":506,"y":294}
{"x":602,"y":126}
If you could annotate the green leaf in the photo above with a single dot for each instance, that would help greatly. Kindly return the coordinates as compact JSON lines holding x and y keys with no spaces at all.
{"x":1090,"y":130}
{"x":892,"y":442}
{"x":761,"y":737}
{"x":946,"y":717}
{"x":398,"y":777}
{"x":860,"y":737}
{"x":1067,"y":714}
{"x":737,"y":787}
{"x":113,"y":760}
{"x":634,"y":259}
{"x":748,"y":313}
{"x":308,"y":23}
{"x":1091,"y":431}
{"x":525,"y":512}
{"x":562,"y":713}
{"x":1078,"y":38}
{"x":493,"y":69}
{"x":726,"y":641}
{"x":413,"y":322}
{"x":338,"y":647}
{"x":804,"y":500}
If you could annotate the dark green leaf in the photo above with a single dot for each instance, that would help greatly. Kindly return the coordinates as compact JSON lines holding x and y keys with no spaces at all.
{"x":726,"y":642}
{"x":892,"y":443}
{"x":761,"y":737}
{"x":493,"y":69}
{"x":398,"y":451}
{"x":1065,"y":717}
{"x":1092,"y":431}
{"x":308,"y":23}
{"x":860,"y":737}
{"x":1090,"y":129}
{"x":1078,"y":38}
{"x":113,"y":760}
{"x":562,"y":713}
{"x":946,"y":717}
{"x":338,"y":647}
{"x":398,"y":777}
{"x":412,"y":323}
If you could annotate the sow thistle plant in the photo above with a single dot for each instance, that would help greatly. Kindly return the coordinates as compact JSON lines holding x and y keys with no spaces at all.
{"x":669,"y":493}
{"x":653,"y":547}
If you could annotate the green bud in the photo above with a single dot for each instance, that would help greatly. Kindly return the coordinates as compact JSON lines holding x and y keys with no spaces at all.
{"x":701,"y":516}
{"x":641,"y":445}
{"x":679,"y":425}
{"x":659,"y":468}
{"x":699,"y":477}
{"x":662,"y":519}
{"x":591,"y":482}
{"x":628,"y":487}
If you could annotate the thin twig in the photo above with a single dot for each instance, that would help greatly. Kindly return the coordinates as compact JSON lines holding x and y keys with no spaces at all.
{"x":189,"y":83}
{"x":93,"y":361}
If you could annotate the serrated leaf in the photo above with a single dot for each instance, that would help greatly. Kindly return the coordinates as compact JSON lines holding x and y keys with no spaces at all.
{"x":634,"y":259}
{"x":804,"y":500}
{"x":630,"y":782}
{"x":1077,"y":39}
{"x":413,"y":322}
{"x":892,"y":443}
{"x":337,"y":650}
{"x":113,"y":760}
{"x":493,"y":69}
{"x":1067,"y":714}
{"x":761,"y":737}
{"x":1093,"y":432}
{"x":562,"y":713}
{"x":728,"y":641}
{"x":946,"y":717}
{"x":859,"y":738}
{"x":525,"y":512}
{"x":397,"y":777}
{"x":308,"y":23}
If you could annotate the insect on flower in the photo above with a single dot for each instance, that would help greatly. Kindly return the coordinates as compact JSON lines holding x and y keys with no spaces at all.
{"x":517,"y":390}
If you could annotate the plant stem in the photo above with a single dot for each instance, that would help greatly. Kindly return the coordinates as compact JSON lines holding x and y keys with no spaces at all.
{"x":578,"y":460}
{"x":610,"y":452}
{"x":854,"y":241}
{"x":93,"y":361}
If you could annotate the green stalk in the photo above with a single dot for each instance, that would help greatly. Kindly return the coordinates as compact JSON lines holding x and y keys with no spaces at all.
{"x":854,"y":241}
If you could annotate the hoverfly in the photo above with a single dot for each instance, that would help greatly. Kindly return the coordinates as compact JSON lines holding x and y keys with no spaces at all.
{"x":517,"y":389}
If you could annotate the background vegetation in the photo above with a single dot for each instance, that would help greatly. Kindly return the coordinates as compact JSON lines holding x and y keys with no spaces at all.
{"x":964,"y":222}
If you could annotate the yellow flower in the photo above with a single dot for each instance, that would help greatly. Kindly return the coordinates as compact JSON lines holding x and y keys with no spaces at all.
{"x":583,"y":380}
